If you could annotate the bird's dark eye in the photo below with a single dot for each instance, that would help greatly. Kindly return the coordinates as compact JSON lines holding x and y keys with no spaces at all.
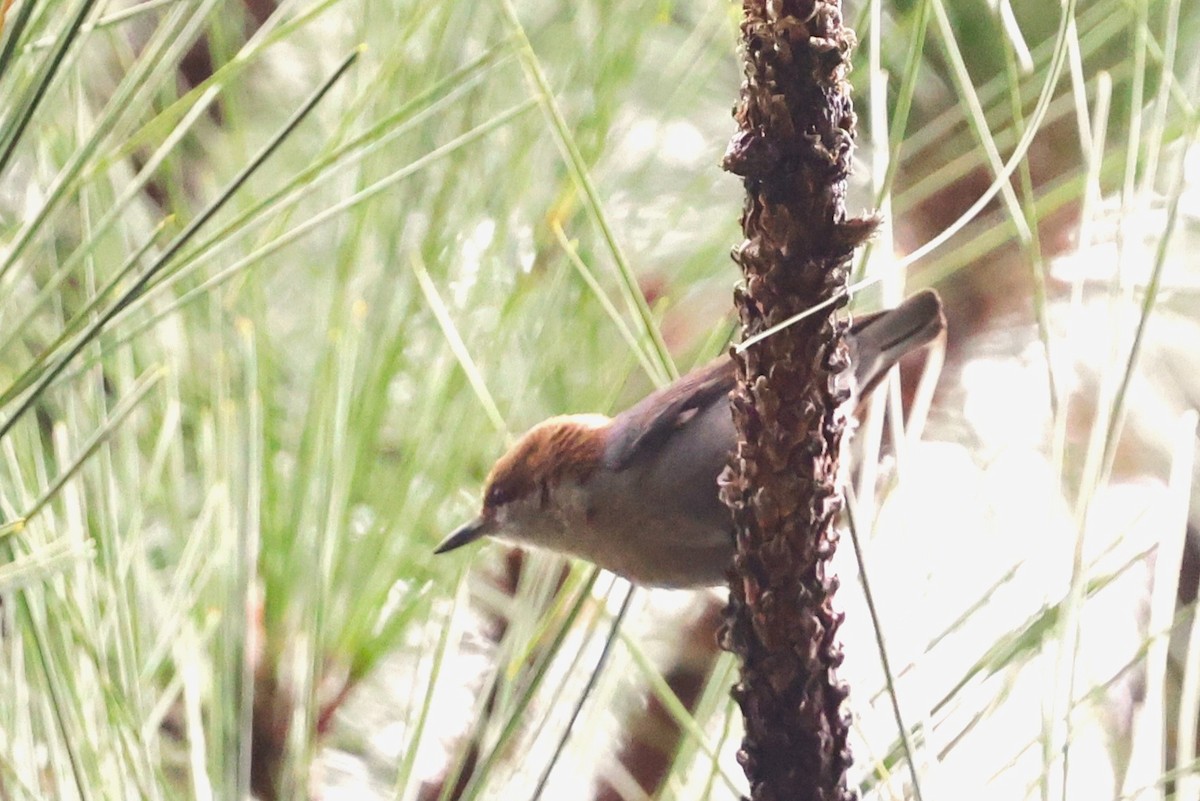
{"x":497,"y":495}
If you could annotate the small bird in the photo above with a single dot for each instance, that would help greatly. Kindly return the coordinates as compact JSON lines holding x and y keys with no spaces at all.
{"x":637,"y":494}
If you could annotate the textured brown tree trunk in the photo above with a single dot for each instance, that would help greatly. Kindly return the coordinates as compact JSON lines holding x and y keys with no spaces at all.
{"x":793,"y":147}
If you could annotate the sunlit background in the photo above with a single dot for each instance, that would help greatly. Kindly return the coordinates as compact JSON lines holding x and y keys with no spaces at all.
{"x":279,"y":280}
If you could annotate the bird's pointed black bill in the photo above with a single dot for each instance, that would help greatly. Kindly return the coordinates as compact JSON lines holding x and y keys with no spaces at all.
{"x":463,"y":535}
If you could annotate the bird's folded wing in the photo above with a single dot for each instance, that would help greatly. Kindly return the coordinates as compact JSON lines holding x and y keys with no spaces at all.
{"x":642,"y":428}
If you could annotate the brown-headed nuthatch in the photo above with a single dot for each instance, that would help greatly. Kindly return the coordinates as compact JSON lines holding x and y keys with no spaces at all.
{"x":637,"y":494}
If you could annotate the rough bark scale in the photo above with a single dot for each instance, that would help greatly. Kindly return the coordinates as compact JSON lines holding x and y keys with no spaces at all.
{"x":793,"y":147}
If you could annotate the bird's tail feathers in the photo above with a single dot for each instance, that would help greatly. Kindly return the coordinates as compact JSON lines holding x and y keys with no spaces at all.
{"x":877,"y":341}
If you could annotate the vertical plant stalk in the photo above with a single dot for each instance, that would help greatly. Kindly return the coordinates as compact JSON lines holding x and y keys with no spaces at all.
{"x":793,"y":147}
